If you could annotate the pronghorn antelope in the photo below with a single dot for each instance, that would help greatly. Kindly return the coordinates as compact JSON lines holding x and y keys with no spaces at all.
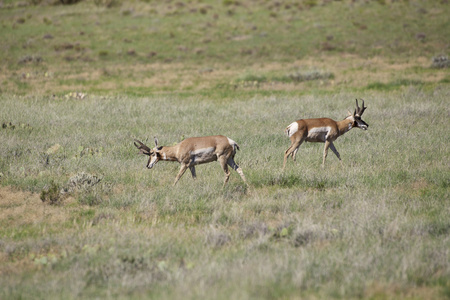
{"x":194,"y":151}
{"x":322,"y":130}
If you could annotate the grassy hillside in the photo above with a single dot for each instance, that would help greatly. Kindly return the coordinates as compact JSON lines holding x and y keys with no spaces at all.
{"x":81,"y":216}
{"x":142,"y":47}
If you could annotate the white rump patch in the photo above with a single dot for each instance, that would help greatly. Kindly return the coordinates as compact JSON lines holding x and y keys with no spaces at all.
{"x":291,"y":129}
{"x":232,"y":143}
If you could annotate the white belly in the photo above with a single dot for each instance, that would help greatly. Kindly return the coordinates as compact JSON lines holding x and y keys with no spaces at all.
{"x":201,"y":156}
{"x":318,"y":134}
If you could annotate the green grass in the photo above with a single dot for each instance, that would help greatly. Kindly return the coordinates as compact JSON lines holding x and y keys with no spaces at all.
{"x":393,"y":85}
{"x":48,"y":48}
{"x":376,"y":227}
{"x":78,"y":83}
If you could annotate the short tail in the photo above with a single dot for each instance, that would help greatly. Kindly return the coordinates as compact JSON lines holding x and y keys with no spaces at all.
{"x":234,"y":145}
{"x":291,"y":129}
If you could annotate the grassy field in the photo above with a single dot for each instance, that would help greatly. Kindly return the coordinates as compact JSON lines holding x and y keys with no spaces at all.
{"x":81,"y":216}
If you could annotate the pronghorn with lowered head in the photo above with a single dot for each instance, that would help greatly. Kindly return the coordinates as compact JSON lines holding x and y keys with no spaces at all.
{"x":195,"y":151}
{"x":322,"y":130}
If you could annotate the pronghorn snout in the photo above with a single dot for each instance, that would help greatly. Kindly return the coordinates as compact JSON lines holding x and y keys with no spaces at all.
{"x":151,"y":164}
{"x":361,"y":124}
{"x":152,"y":161}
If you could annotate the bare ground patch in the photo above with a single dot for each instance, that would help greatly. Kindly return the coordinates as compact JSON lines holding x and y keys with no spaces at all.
{"x":18,"y":208}
{"x":25,"y":208}
{"x":377,"y":290}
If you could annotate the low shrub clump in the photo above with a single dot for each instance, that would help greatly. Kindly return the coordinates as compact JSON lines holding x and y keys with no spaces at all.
{"x":81,"y":182}
{"x":440,"y":62}
{"x":51,"y":194}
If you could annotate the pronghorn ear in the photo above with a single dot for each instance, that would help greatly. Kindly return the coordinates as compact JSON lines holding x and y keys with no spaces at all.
{"x":349,"y":113}
{"x":156,"y":144}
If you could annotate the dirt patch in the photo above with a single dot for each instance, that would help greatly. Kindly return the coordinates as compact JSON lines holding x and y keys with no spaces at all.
{"x":25,"y":208}
{"x":380,"y":290}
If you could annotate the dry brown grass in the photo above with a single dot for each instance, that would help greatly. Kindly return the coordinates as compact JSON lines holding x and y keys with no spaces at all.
{"x":18,"y":209}
{"x":350,"y":71}
{"x":25,"y":208}
{"x":378,"y":290}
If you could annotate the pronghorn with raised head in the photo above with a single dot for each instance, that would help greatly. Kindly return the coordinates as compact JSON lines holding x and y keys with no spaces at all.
{"x":322,"y":130}
{"x":195,"y":151}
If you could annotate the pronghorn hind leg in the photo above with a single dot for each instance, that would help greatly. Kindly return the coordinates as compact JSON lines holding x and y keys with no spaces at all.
{"x":193,"y":172}
{"x":235,"y":167}
{"x":183,"y":169}
{"x":294,"y":153}
{"x":286,"y":154}
{"x":292,"y":150}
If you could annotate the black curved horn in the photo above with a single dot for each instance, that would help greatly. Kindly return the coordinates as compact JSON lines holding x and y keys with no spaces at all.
{"x":144,"y":149}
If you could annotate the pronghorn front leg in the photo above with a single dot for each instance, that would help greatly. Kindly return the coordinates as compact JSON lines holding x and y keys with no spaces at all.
{"x":325,"y":151}
{"x":223,"y":163}
{"x":182,"y":170}
{"x":335,"y":152}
